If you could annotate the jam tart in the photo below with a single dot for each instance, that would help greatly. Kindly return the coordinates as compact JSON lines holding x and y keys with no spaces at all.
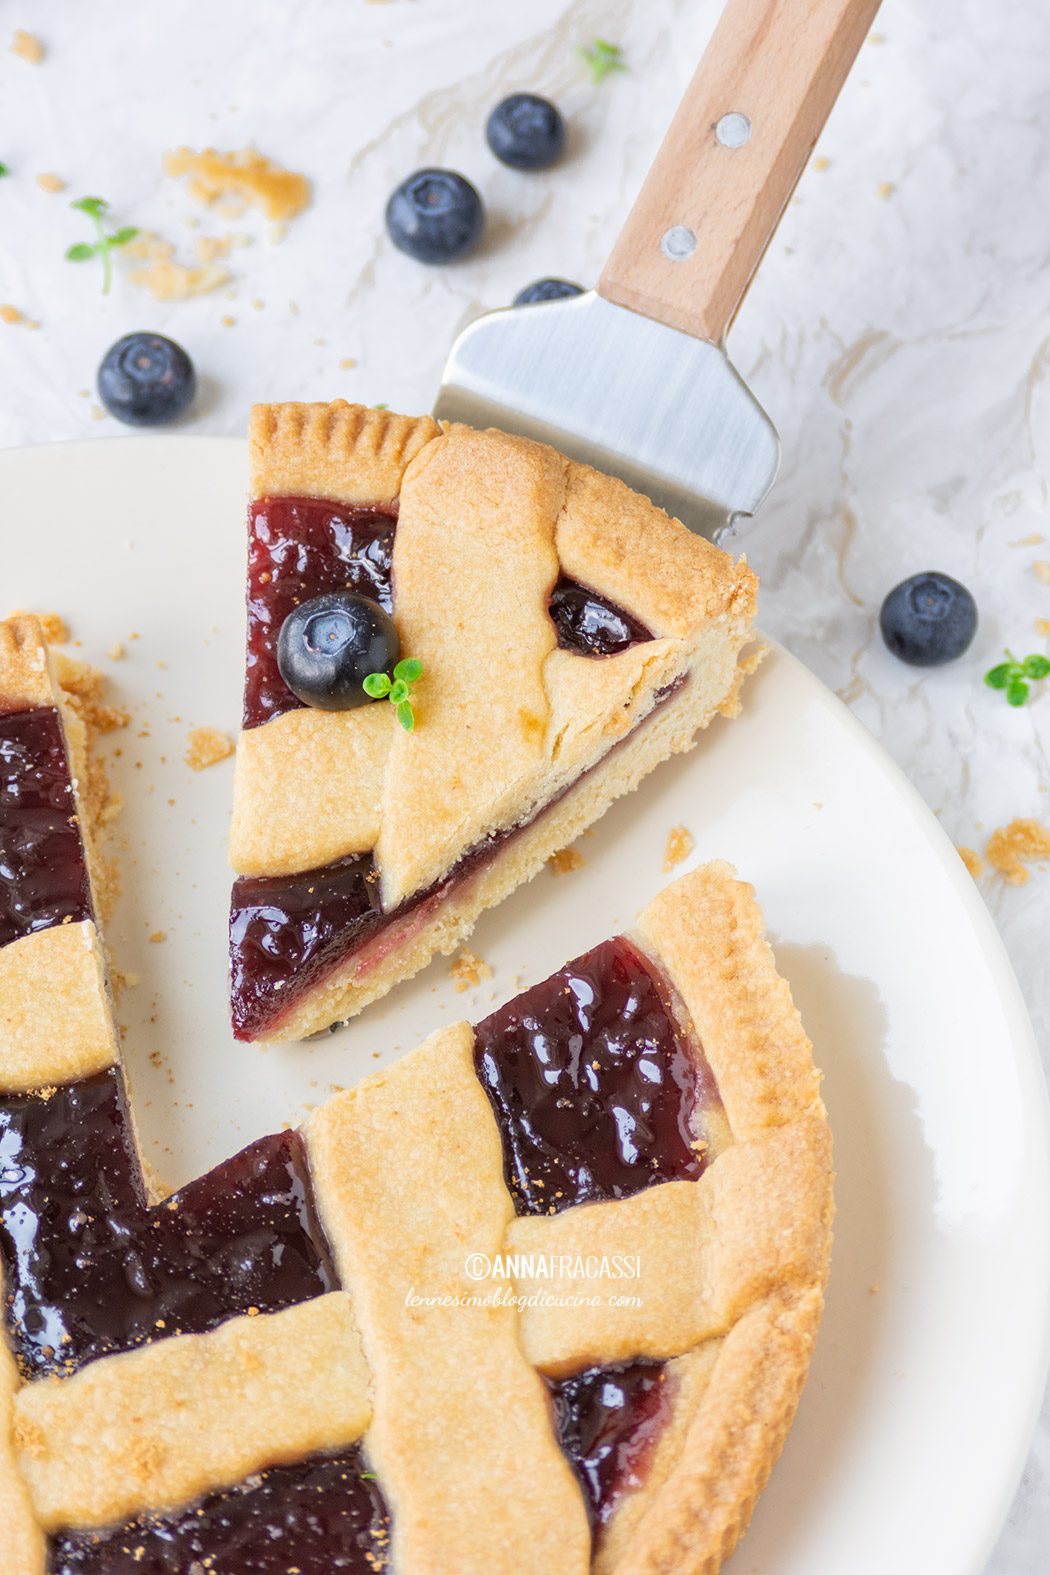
{"x":539,"y":1297}
{"x":570,"y":636}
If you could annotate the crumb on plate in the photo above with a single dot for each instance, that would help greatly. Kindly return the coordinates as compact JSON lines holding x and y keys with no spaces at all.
{"x":468,"y":970}
{"x":1012,"y":845}
{"x":680,"y":844}
{"x":1033,"y":539}
{"x":49,"y":182}
{"x":11,"y":314}
{"x":164,"y":276}
{"x":157,"y":937}
{"x":565,"y":861}
{"x":1041,"y":570}
{"x":206,"y":746}
{"x":246,"y":174}
{"x":972,"y":859}
{"x":27,"y":46}
{"x":884,"y":190}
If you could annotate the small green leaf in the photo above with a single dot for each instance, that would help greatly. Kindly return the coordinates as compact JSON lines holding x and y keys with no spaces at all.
{"x":94,"y":207}
{"x":376,"y":686}
{"x":406,"y":716}
{"x":999,"y":677}
{"x":398,"y":692}
{"x":1017,"y":691}
{"x":1034,"y":666}
{"x":4,"y":171}
{"x":81,"y":252}
{"x":122,"y":237}
{"x":368,"y":1476}
{"x":602,"y":59}
{"x":381,"y":407}
{"x":410,"y":670}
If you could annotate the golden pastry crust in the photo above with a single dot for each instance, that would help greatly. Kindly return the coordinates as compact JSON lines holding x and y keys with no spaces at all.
{"x":338,"y":451}
{"x":448,"y":1371}
{"x":487,"y":523}
{"x":55,"y":1023}
{"x":161,"y":1426}
{"x":25,"y":678}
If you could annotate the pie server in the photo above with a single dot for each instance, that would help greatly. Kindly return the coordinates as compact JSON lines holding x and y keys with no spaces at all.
{"x":633,"y":377}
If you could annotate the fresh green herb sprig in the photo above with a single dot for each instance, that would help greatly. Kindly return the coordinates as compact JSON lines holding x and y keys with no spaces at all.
{"x":602,"y":59}
{"x":379,"y":686}
{"x":1016,"y":675}
{"x":103,"y":244}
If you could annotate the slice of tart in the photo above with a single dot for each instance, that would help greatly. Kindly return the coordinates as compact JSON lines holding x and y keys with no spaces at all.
{"x":540,"y":1297}
{"x":547,"y":636}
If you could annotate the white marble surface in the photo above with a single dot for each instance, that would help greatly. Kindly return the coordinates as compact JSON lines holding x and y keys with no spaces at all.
{"x":899,"y":338}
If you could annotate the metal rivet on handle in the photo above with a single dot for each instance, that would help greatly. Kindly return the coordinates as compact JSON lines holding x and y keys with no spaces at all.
{"x":678,"y":243}
{"x":733,"y":130}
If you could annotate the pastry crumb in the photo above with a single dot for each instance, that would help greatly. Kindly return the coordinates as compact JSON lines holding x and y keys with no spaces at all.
{"x":27,"y":46}
{"x":820,"y":163}
{"x":347,"y":363}
{"x":1042,"y":626}
{"x":246,"y":174}
{"x":565,"y":861}
{"x":116,"y":651}
{"x":47,"y":181}
{"x":884,"y":190}
{"x":973,"y":861}
{"x":1034,"y":539}
{"x":1041,"y":570}
{"x":680,"y":844}
{"x":157,"y":937}
{"x":206,"y":746}
{"x":1011,"y":846}
{"x":468,"y":970}
{"x":11,"y":314}
{"x":164,"y":277}
{"x":97,"y":413}
{"x":211,"y":248}
{"x":228,"y":321}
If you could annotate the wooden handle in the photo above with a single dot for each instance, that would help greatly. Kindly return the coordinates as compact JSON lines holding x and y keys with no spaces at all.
{"x":731,"y":159}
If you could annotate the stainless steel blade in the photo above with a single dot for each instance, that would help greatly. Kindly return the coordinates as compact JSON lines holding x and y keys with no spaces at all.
{"x":666,"y":412}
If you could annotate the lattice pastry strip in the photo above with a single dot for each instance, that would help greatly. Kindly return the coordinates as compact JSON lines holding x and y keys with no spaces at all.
{"x":164,"y":1406}
{"x":572,"y":637}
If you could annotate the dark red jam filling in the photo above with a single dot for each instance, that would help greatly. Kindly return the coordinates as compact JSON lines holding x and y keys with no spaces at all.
{"x":300,"y":547}
{"x":43,"y":878}
{"x":319,"y":1517}
{"x":590,"y":625}
{"x":608,"y":1420}
{"x":88,"y":1268}
{"x":593,"y":1083}
{"x":288,"y":931}
{"x":297,"y":549}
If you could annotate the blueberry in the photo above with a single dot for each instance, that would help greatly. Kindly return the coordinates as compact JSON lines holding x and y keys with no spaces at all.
{"x":328,"y":646}
{"x":146,"y":380}
{"x":547,"y":290}
{"x":526,"y":132}
{"x":928,"y":619}
{"x":435,"y":216}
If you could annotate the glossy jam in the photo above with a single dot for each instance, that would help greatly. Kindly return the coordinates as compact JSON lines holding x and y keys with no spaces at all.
{"x":43,"y":880}
{"x":608,"y":1420}
{"x":288,"y":931}
{"x":593,"y":1083}
{"x":319,"y":1517}
{"x":297,"y":548}
{"x":590,"y":625}
{"x":89,"y":1268}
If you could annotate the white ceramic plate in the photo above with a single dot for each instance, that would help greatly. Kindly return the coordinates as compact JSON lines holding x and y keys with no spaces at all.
{"x":913,"y":1428}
